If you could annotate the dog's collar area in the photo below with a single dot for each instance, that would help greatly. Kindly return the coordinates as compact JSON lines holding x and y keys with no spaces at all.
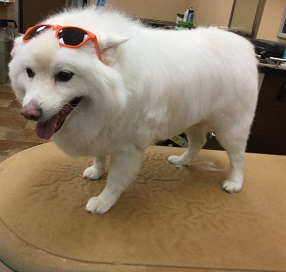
{"x":48,"y":128}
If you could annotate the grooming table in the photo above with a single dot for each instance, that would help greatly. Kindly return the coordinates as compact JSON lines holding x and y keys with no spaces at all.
{"x":170,"y":219}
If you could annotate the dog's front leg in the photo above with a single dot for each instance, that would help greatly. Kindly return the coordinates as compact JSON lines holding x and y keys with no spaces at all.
{"x":96,"y":170}
{"x":124,"y":167}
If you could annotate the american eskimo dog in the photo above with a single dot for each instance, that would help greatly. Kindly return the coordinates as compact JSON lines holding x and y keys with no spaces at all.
{"x":99,"y":83}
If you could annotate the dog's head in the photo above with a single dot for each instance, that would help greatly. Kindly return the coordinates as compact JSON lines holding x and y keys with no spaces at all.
{"x":51,"y":80}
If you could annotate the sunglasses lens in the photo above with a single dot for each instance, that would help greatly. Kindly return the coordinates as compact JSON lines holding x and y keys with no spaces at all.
{"x":35,"y":32}
{"x":72,"y":36}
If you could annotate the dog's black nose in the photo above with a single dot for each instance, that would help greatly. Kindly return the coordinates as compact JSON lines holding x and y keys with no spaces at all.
{"x":32,"y":111}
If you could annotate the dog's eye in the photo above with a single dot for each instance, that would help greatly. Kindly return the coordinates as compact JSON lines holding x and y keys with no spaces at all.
{"x":63,"y":76}
{"x":30,"y":72}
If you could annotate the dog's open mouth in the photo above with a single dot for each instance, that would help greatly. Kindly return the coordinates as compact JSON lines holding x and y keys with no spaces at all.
{"x":47,"y":129}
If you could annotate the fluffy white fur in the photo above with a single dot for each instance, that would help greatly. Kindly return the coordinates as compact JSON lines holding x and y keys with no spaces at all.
{"x":151,"y":85}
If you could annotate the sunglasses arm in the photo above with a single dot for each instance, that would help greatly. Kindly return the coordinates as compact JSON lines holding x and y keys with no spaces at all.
{"x":97,"y":50}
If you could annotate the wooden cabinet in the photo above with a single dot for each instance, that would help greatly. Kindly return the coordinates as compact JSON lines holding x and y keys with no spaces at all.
{"x":268,"y":134}
{"x":33,"y":11}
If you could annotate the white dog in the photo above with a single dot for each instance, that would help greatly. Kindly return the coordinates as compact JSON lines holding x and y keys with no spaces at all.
{"x":114,"y":87}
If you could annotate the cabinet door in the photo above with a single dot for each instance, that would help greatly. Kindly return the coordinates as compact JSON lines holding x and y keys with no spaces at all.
{"x":268,"y":134}
{"x":34,"y":11}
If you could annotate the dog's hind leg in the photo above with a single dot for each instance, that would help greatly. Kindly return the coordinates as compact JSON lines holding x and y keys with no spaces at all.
{"x":124,"y":167}
{"x":96,"y":170}
{"x":234,"y":144}
{"x":196,"y":140}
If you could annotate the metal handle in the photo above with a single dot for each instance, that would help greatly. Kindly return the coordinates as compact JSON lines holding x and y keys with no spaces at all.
{"x":12,"y":21}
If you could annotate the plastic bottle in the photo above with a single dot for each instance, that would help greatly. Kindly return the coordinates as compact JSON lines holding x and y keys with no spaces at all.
{"x":190,"y":15}
{"x":100,"y":3}
{"x":186,"y":15}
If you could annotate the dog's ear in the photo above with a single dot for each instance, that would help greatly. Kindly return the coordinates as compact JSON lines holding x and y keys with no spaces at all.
{"x":108,"y":42}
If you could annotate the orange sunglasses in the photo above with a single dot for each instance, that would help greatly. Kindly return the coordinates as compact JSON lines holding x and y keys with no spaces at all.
{"x":68,"y":36}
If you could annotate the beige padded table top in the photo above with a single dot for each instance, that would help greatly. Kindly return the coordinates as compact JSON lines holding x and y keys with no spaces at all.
{"x":169,"y":219}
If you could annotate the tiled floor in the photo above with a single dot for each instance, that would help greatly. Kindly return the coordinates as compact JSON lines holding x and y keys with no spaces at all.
{"x":16,"y":133}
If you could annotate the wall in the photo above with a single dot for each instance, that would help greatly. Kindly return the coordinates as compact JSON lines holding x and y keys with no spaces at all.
{"x":244,"y":14}
{"x":3,"y":11}
{"x":7,"y":11}
{"x":271,"y":20}
{"x":11,"y":11}
{"x":217,"y":12}
{"x":211,"y":12}
{"x":207,"y":12}
{"x":158,"y":9}
{"x":35,"y":11}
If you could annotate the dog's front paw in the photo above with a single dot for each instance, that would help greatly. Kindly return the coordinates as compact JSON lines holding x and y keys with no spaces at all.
{"x":177,"y":161}
{"x":92,"y":173}
{"x":97,"y":205}
{"x":231,"y":186}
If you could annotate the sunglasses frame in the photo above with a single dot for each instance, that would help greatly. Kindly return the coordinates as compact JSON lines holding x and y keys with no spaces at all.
{"x":58,"y":28}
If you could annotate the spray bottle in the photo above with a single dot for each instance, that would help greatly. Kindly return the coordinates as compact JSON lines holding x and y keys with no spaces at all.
{"x":189,"y":15}
{"x":186,"y":15}
{"x":100,"y":3}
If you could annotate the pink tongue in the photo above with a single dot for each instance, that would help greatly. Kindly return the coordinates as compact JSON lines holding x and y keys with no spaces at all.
{"x":46,"y":129}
